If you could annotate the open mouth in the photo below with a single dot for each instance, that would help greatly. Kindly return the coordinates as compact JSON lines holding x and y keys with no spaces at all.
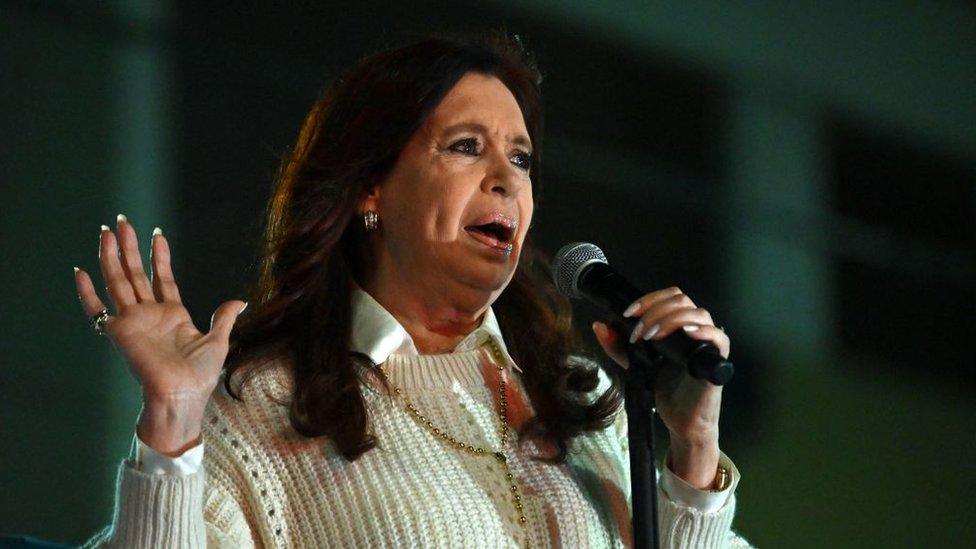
{"x":498,"y":232}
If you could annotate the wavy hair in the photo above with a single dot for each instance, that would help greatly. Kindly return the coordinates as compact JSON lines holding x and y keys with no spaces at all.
{"x":311,"y":252}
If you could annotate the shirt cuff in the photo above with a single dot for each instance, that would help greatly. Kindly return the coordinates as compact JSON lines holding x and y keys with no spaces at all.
{"x":686,"y":495}
{"x":151,"y":462}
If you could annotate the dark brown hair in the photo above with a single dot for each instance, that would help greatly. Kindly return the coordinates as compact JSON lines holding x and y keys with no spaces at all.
{"x":300,"y":305}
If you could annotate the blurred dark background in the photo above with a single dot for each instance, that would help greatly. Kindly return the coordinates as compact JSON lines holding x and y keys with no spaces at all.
{"x":805,"y":170}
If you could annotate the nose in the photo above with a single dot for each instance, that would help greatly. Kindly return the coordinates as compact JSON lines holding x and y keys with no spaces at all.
{"x":502,"y":177}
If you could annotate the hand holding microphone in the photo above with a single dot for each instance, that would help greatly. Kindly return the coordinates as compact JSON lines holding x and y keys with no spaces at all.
{"x":580,"y":271}
{"x":688,"y":388}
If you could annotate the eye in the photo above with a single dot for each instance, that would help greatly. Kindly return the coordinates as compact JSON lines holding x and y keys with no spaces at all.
{"x":522,"y":160}
{"x":468,"y":145}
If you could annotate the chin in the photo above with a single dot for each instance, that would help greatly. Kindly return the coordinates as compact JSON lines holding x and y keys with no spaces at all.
{"x":495,"y":282}
{"x":489,"y":279}
{"x":482,"y":269}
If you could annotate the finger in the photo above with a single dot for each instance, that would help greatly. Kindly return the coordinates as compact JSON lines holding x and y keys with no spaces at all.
{"x":163,"y":281}
{"x":610,"y":342}
{"x":116,"y":283}
{"x":132,"y":260}
{"x":647,"y":301}
{"x":223,"y":319}
{"x":90,"y":302}
{"x":651,"y":320}
{"x":716,"y":336}
{"x":670,"y":322}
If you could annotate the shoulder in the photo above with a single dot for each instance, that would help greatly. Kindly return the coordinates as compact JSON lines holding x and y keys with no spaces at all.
{"x":259,"y":384}
{"x":253,"y":389}
{"x":256,"y":414}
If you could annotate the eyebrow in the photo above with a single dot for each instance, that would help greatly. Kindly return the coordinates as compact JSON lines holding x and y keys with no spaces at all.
{"x":519,"y":139}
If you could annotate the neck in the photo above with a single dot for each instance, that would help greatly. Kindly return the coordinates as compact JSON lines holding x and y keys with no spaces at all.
{"x":436,"y":321}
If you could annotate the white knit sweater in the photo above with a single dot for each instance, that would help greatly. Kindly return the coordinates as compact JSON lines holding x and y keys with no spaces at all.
{"x":262,"y":484}
{"x":265,"y":485}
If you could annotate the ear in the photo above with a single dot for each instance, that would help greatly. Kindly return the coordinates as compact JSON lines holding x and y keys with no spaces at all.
{"x":371,"y":200}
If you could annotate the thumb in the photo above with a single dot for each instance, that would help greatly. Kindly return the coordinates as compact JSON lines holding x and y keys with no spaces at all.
{"x":223,"y":319}
{"x":610,"y":341}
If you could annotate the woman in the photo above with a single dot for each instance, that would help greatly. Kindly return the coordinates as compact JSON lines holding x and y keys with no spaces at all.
{"x":405,"y":374}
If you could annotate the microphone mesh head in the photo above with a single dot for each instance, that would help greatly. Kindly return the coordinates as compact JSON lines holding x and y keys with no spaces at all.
{"x":568,"y":263}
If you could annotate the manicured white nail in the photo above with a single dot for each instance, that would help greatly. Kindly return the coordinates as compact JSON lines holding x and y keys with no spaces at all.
{"x":104,"y":228}
{"x":653,"y":330}
{"x":689,"y":328}
{"x":77,"y":269}
{"x":121,"y":218}
{"x":629,"y":311}
{"x":157,"y":231}
{"x":636,"y":332}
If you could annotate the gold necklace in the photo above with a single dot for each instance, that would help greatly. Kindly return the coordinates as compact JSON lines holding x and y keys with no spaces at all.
{"x":470,"y":448}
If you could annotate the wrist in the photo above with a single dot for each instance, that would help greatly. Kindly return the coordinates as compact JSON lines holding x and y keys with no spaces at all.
{"x":170,"y":428}
{"x":696,"y":463}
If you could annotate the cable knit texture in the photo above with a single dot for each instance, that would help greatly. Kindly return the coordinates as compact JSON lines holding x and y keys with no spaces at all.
{"x":264,"y":485}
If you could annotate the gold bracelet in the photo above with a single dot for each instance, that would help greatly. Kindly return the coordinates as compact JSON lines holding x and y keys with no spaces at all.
{"x":722,"y":478}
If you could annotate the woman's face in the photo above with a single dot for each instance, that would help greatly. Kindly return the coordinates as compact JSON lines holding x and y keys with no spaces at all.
{"x":456,"y":206}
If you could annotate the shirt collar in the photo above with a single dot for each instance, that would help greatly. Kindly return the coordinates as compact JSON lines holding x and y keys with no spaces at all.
{"x":377,"y":334}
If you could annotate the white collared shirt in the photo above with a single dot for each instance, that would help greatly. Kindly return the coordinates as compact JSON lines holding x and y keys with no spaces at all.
{"x":377,"y":334}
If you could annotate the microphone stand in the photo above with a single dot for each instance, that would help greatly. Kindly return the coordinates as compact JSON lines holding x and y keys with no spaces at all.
{"x":639,"y":404}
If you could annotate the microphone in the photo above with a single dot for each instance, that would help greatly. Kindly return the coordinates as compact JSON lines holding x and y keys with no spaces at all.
{"x":580,"y":271}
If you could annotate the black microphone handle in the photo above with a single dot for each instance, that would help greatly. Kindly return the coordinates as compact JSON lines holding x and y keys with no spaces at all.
{"x":602,"y":285}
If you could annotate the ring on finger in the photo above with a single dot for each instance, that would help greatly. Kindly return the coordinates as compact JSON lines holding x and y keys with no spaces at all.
{"x":98,"y":321}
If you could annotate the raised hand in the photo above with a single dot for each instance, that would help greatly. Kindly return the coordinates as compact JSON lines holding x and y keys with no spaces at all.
{"x":689,"y":407}
{"x":176,"y":365}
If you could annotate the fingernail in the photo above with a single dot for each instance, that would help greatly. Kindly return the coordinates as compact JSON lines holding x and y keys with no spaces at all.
{"x":689,"y":328}
{"x":636,"y":332}
{"x":629,"y":311}
{"x":242,"y":308}
{"x":104,"y":228}
{"x":157,"y":231}
{"x":76,"y":270}
{"x":653,"y":330}
{"x":121,"y":218}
